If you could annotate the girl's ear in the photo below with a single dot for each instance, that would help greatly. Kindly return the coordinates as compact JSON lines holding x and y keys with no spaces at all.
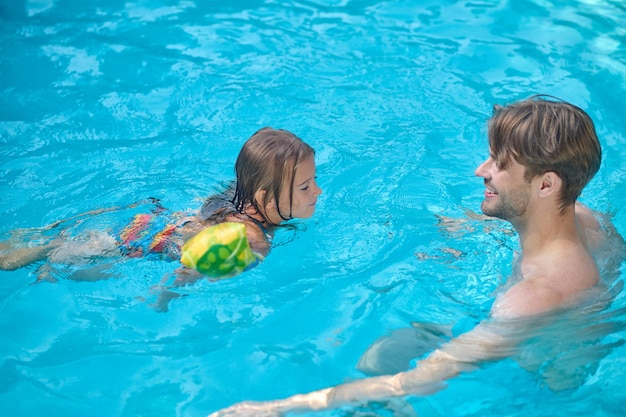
{"x":259,"y":197}
{"x":550,"y":184}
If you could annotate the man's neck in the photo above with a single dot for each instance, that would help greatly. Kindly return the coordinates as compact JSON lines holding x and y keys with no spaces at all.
{"x":539,"y":230}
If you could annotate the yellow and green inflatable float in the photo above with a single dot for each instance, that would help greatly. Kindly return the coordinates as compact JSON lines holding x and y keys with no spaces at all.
{"x":219,"y":251}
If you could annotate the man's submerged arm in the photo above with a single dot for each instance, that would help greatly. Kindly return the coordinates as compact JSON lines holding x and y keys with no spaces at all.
{"x":487,"y":341}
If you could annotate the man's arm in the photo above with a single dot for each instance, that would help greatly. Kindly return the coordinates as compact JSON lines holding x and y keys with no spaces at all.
{"x":490,"y":340}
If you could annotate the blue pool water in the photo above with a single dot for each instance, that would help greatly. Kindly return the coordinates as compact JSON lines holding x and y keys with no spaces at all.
{"x":105,"y":103}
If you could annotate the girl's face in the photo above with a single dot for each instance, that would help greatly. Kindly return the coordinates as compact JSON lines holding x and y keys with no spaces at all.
{"x":305,"y":193}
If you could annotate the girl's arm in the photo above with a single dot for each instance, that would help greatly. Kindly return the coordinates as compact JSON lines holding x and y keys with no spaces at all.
{"x":257,"y":239}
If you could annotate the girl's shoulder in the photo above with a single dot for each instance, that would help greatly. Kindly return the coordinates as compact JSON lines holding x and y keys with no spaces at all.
{"x":259,"y":237}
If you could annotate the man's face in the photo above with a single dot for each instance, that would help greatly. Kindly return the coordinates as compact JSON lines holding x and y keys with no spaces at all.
{"x":507,"y":193}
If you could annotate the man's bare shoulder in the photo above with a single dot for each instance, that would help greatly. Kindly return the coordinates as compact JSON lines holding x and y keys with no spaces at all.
{"x":550,"y":281}
{"x":526,"y":298}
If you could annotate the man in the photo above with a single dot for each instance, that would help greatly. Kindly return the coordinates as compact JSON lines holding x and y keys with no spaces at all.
{"x":542,"y":154}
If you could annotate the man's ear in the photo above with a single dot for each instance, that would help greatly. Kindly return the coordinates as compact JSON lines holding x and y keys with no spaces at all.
{"x":550,"y":184}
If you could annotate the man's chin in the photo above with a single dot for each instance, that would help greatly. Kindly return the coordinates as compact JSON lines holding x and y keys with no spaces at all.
{"x":489,"y":211}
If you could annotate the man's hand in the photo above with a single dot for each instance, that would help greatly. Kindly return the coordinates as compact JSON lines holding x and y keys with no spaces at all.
{"x":248,"y":409}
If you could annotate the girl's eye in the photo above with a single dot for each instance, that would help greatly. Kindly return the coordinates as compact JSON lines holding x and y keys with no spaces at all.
{"x":308,"y":185}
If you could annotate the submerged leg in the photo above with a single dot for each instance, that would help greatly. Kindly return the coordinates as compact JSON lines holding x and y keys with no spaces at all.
{"x":16,"y":253}
{"x":49,"y":273}
{"x":12,"y":258}
{"x":93,"y":273}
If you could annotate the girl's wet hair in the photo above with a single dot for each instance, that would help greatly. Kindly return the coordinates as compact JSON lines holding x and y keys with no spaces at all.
{"x":546,"y":134}
{"x":268,"y":161}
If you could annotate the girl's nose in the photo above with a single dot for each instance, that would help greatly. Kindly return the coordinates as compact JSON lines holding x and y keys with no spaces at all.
{"x":319,"y":190}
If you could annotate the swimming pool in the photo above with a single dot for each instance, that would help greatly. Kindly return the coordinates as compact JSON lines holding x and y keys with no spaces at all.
{"x":105,"y":103}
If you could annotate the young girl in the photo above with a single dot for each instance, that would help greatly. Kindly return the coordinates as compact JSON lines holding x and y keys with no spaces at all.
{"x":275,"y":182}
